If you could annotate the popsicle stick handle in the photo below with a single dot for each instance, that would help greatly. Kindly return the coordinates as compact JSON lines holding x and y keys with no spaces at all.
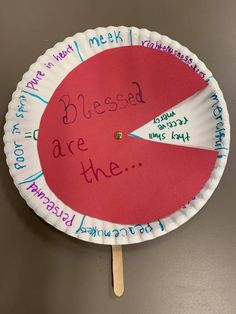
{"x":117,"y":270}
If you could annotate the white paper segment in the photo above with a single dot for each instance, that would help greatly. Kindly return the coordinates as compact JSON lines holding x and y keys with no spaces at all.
{"x":189,"y":123}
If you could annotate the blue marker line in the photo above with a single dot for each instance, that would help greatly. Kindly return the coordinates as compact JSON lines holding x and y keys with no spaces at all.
{"x":36,"y":96}
{"x":130,"y":37}
{"x":134,"y":135}
{"x":210,"y":77}
{"x":77,"y":48}
{"x":81,"y":224}
{"x":33,"y":175}
{"x":32,"y":178}
{"x":161,"y":225}
{"x":221,"y":148}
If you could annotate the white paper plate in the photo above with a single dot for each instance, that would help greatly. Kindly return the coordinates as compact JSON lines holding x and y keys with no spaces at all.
{"x":209,"y":125}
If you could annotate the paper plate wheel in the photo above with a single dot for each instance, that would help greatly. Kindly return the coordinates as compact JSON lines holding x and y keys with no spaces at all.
{"x":117,"y":135}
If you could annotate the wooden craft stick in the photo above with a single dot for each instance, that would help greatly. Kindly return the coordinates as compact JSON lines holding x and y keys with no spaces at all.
{"x":117,"y":270}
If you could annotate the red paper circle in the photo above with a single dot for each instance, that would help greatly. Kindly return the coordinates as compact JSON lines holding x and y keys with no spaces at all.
{"x":129,"y":180}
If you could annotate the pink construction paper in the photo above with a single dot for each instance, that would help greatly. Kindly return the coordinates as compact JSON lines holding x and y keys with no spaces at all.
{"x":129,"y":180}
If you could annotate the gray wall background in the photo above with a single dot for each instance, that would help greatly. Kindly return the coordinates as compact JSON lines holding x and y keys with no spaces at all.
{"x":190,"y":270}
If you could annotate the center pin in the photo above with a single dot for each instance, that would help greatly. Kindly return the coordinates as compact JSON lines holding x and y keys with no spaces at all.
{"x":118,"y":135}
